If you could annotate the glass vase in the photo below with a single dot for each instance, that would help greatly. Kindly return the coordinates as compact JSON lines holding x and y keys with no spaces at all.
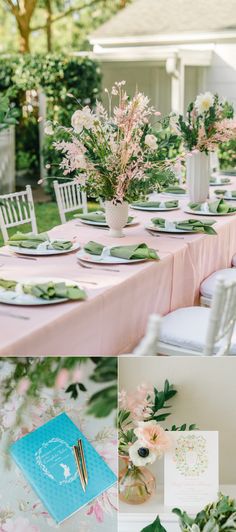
{"x":136,"y":484}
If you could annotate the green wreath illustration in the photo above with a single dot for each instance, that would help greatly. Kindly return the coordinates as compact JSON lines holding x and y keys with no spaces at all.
{"x":191,"y":455}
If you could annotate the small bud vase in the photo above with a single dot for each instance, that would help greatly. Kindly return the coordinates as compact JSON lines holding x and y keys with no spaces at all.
{"x":136,"y":484}
{"x":116,"y":214}
{"x":198,"y":176}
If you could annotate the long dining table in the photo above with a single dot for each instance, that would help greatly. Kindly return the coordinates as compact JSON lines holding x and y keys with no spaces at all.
{"x":120,"y":298}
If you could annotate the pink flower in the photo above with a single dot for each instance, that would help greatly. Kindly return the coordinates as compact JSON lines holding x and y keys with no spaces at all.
{"x":97,"y":511}
{"x":23,"y":386}
{"x":153,"y":436}
{"x":20,"y":524}
{"x":62,"y":378}
{"x":77,"y":375}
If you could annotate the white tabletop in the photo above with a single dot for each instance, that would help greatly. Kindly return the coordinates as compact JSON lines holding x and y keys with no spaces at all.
{"x":135,"y":518}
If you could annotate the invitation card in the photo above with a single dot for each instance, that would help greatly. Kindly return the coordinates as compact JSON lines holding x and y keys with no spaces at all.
{"x":47,"y":460}
{"x":191,"y":478}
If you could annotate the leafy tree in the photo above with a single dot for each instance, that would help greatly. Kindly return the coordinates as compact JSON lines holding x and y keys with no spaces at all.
{"x":33,"y":16}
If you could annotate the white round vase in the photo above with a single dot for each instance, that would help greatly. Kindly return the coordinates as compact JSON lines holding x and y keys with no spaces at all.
{"x":198,"y":176}
{"x":116,"y":217}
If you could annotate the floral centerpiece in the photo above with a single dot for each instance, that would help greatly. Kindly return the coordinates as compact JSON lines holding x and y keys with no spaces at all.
{"x":142,"y":440}
{"x":112,"y":153}
{"x":209,"y":122}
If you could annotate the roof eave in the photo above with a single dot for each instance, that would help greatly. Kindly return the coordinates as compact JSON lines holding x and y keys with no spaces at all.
{"x":175,"y":38}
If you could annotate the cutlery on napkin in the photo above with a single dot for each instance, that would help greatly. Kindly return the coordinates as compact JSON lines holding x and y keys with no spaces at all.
{"x":33,"y":241}
{"x":136,"y":251}
{"x":157,"y":204}
{"x":50,"y":290}
{"x":219,"y":206}
{"x":196,"y":226}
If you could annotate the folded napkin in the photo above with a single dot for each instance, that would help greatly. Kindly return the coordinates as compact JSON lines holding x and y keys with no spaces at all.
{"x":218,"y":206}
{"x":48,"y":290}
{"x":196,"y":226}
{"x":219,"y":179}
{"x":98,"y":217}
{"x":175,"y":190}
{"x":157,"y":204}
{"x":223,"y":192}
{"x":33,"y":241}
{"x":137,"y":251}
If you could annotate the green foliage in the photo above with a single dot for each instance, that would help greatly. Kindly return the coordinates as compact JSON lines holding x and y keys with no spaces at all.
{"x":156,"y":526}
{"x":43,"y":372}
{"x":56,"y":75}
{"x":219,"y":516}
{"x":8,"y":113}
{"x":104,"y":401}
{"x":227,"y":155}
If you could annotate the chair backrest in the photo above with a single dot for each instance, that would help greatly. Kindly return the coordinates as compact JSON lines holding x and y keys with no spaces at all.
{"x":149,"y":343}
{"x":69,"y":198}
{"x":17,"y":209}
{"x":222,"y":319}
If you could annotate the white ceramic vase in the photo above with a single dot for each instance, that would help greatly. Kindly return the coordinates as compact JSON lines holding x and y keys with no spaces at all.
{"x":198,"y":176}
{"x":116,"y":217}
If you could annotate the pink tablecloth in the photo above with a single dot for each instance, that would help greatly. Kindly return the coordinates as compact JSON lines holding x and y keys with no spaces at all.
{"x":114,"y":317}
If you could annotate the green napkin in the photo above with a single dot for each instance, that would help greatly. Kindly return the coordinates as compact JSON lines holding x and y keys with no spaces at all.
{"x":32,"y":241}
{"x":137,"y":251}
{"x":156,"y":204}
{"x":47,"y":291}
{"x":196,"y":226}
{"x":97,"y":217}
{"x":175,"y":190}
{"x":223,"y":192}
{"x":7,"y":285}
{"x":221,"y":179}
{"x":218,"y":206}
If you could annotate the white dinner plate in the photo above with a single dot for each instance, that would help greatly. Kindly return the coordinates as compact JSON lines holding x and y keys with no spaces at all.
{"x":219,"y":196}
{"x":164,"y":230}
{"x":87,"y":257}
{"x":41,"y":249}
{"x":103,"y":224}
{"x":153,"y":209}
{"x":203,"y":213}
{"x":11,"y":297}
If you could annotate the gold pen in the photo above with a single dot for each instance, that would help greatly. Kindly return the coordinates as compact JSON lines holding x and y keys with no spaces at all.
{"x":77,"y":459}
{"x":81,"y":450}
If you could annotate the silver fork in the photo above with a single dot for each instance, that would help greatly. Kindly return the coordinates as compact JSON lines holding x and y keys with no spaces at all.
{"x":12,"y":315}
{"x":153,"y":233}
{"x":97,"y":268}
{"x":16,"y":256}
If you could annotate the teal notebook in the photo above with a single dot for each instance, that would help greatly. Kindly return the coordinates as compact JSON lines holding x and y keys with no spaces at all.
{"x":47,"y":460}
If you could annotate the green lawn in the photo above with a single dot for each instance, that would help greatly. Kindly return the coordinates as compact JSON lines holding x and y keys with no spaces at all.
{"x":47,"y":217}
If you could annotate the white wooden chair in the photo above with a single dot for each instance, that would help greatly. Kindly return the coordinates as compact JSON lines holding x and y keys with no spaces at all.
{"x":207,"y":287}
{"x":69,"y":198}
{"x":17,"y":209}
{"x":197,"y":331}
{"x":149,"y":343}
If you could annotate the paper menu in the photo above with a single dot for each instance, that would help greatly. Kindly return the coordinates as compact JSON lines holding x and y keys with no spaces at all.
{"x":191,"y":478}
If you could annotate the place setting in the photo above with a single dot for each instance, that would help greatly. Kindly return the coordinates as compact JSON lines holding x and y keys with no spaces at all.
{"x":40,"y":291}
{"x":40,"y":244}
{"x":161,"y":225}
{"x":98,"y":219}
{"x":211,"y":208}
{"x":225,"y":194}
{"x":96,"y":253}
{"x":218,"y":181}
{"x":151,"y":205}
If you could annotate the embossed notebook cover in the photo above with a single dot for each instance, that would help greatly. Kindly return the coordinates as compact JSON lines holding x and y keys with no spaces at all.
{"x":47,"y":461}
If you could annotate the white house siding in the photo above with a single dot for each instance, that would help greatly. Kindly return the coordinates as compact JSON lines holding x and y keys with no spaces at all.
{"x":149,"y":78}
{"x":221,"y":75}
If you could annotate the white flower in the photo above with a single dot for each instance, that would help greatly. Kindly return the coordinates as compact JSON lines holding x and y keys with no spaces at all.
{"x":48,"y":129}
{"x":151,"y":142}
{"x":203,"y":102}
{"x":137,"y":450}
{"x":81,"y":119}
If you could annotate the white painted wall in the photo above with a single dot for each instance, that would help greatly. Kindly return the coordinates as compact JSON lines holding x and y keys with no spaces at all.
{"x":151,"y":79}
{"x":206,"y":396}
{"x":221,"y":75}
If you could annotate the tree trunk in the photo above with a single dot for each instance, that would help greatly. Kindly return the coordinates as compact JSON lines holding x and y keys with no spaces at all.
{"x":49,"y":25}
{"x":24,"y":46}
